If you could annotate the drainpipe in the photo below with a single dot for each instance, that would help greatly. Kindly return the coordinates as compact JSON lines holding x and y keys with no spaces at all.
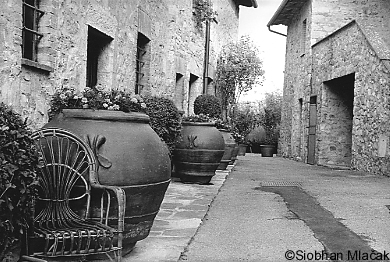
{"x":273,"y":31}
{"x":206,"y":57}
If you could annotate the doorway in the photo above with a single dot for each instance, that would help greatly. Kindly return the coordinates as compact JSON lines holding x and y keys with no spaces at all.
{"x":311,"y":144}
{"x":337,"y":121}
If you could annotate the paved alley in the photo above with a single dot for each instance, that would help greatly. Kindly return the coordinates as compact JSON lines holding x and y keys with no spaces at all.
{"x":269,"y":208}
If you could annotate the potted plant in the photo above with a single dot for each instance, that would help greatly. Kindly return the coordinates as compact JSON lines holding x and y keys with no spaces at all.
{"x":244,"y":121}
{"x":19,"y":164}
{"x":271,"y":123}
{"x":269,"y":147}
{"x":115,"y":125}
{"x":208,"y":105}
{"x":238,"y":139}
{"x":256,"y":138}
{"x":230,"y":143}
{"x":198,"y":154}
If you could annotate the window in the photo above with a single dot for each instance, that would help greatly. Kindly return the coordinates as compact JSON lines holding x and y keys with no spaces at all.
{"x":179,"y":91}
{"x":141,"y":63}
{"x":30,"y":35}
{"x":303,"y":37}
{"x":97,"y":44}
{"x":191,"y":92}
{"x":210,"y":88}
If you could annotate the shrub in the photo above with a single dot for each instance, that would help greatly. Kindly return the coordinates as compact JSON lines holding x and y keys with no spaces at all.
{"x":272,"y":117}
{"x":19,"y":163}
{"x":257,"y":136}
{"x":207,"y":105}
{"x":164,"y":119}
{"x":244,"y":120}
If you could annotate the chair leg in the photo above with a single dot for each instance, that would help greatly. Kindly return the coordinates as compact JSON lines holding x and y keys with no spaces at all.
{"x":32,"y":259}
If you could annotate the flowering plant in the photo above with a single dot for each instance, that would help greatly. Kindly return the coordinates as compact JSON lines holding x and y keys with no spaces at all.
{"x":220,"y":124}
{"x":239,"y":138}
{"x":197,"y":118}
{"x":96,"y":98}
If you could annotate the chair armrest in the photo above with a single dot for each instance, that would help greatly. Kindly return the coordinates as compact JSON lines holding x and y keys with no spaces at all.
{"x":112,"y":191}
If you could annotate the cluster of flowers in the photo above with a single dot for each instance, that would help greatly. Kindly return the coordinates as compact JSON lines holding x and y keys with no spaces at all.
{"x":96,"y":98}
{"x":220,"y":124}
{"x":197,"y":118}
{"x":239,"y":138}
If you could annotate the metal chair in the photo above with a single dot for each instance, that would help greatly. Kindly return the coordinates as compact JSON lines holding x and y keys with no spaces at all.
{"x":67,"y":179}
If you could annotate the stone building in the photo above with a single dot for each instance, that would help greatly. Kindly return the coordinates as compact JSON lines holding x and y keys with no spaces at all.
{"x":147,"y":47}
{"x":336,"y":92}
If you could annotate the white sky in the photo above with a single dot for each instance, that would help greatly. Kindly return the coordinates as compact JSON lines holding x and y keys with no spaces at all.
{"x":253,"y":22}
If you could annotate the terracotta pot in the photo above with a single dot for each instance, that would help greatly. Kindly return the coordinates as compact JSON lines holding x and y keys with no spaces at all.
{"x":267,"y":150}
{"x":229,"y":146}
{"x":255,"y":148}
{"x":242,"y":149}
{"x":199,"y":153}
{"x":130,"y":155}
{"x":234,"y":154}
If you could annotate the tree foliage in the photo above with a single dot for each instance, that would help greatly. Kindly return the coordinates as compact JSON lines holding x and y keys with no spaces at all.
{"x":239,"y":68}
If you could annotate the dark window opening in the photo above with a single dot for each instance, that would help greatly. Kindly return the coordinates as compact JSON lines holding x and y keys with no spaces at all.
{"x":210,"y":88}
{"x":313,"y":100}
{"x":142,"y":44}
{"x":303,"y":37}
{"x":30,"y":35}
{"x":191,"y":89}
{"x":179,"y":88}
{"x":97,"y":41}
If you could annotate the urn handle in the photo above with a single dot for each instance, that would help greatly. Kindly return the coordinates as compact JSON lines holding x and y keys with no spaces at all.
{"x":191,"y":141}
{"x":95,"y":142}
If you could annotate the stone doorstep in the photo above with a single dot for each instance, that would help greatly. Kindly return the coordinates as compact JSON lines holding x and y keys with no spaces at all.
{"x":178,"y":220}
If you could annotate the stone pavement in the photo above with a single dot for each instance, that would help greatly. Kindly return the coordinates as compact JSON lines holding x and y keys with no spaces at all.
{"x":180,"y":215}
{"x":268,"y":206}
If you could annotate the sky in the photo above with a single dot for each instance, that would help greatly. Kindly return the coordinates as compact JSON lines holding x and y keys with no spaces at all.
{"x":253,"y":22}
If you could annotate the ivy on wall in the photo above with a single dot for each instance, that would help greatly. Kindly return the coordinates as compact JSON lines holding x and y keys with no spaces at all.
{"x":202,"y":11}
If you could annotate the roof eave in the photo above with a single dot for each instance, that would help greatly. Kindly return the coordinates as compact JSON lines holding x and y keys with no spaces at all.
{"x":247,"y":3}
{"x":286,"y":11}
{"x":277,"y":13}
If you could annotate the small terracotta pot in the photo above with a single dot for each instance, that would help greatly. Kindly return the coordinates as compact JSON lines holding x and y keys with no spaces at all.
{"x":267,"y":150}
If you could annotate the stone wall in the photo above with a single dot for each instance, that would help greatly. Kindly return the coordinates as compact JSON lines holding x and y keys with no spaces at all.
{"x":292,"y":142}
{"x":176,"y":48}
{"x":344,"y":53}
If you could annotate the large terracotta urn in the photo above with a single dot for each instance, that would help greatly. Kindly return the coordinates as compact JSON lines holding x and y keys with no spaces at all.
{"x":234,"y":154}
{"x":198,"y":154}
{"x":242,"y":149}
{"x":130,"y":155}
{"x":229,"y":146}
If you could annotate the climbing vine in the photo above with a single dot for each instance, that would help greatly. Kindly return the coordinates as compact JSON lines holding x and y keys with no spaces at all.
{"x":203,"y":10}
